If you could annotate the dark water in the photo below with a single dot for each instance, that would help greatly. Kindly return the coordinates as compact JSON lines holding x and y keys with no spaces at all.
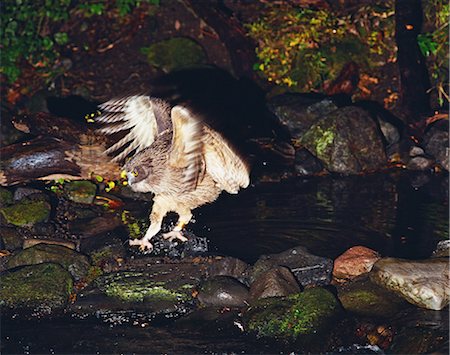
{"x":396,"y":214}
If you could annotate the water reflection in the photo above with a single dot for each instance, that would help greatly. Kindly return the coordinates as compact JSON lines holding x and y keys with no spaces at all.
{"x":329,"y":215}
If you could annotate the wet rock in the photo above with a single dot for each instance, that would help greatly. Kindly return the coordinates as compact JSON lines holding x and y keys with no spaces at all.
{"x":298,"y":111}
{"x":80,"y":191}
{"x":420,"y":163}
{"x":26,"y":212}
{"x":306,"y":163}
{"x":442,"y":249}
{"x":423,"y":283}
{"x":223,"y":291}
{"x":175,"y":53}
{"x":367,"y":299}
{"x":333,"y":139}
{"x":308,"y":269}
{"x":45,"y":287}
{"x":22,"y":192}
{"x":311,"y":312}
{"x":229,"y":266}
{"x":192,"y":247}
{"x":109,"y":257}
{"x":30,"y":242}
{"x":133,"y":286}
{"x":211,"y":319}
{"x":75,"y":263}
{"x":355,"y":262}
{"x":6,"y":197}
{"x":11,"y":237}
{"x":436,"y":143}
{"x":276,"y":282}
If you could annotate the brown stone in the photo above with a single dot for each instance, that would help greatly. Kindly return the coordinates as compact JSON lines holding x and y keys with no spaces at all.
{"x":355,"y":262}
{"x":276,"y":282}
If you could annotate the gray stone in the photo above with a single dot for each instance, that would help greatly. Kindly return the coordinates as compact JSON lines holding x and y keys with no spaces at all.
{"x":424,"y":283}
{"x":436,"y":143}
{"x":276,"y":282}
{"x":415,"y":151}
{"x":420,"y":163}
{"x":306,"y":163}
{"x":347,"y":141}
{"x":77,"y":264}
{"x":22,"y":192}
{"x":390,"y":132}
{"x":223,"y":291}
{"x":229,"y":266}
{"x":308,"y":269}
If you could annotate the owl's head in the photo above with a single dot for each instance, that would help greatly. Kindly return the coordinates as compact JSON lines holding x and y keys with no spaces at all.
{"x":138,"y":171}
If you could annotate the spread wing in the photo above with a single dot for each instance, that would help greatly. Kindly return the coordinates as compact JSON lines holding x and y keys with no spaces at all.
{"x":198,"y":148}
{"x":141,"y":117}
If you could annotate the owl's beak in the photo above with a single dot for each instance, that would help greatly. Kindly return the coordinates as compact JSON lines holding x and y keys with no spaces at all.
{"x":130,"y":178}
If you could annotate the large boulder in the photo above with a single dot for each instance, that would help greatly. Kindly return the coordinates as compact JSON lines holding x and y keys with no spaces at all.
{"x":347,"y":141}
{"x":223,"y":291}
{"x":424,"y":283}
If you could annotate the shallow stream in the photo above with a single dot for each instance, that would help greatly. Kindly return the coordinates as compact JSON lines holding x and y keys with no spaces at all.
{"x":400,"y":215}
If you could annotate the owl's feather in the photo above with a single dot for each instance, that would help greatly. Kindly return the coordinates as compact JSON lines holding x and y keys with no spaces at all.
{"x":180,"y":157}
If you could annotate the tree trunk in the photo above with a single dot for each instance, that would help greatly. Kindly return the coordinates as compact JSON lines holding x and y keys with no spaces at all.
{"x":414,"y":79}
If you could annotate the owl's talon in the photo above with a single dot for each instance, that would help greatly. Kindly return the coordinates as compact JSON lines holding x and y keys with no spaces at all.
{"x":144,"y":245}
{"x":171,"y":236}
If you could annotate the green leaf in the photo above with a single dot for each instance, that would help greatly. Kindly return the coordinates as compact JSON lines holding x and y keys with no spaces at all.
{"x":61,"y":38}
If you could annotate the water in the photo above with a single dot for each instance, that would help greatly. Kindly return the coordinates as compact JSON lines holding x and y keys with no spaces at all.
{"x":401,"y":215}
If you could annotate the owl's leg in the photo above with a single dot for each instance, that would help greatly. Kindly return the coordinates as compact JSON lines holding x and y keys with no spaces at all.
{"x":156,"y":217}
{"x":183,"y":219}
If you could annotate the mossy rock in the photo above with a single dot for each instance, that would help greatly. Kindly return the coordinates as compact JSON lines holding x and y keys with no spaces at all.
{"x":334,"y":141}
{"x":175,"y":53}
{"x":311,"y":312}
{"x":77,"y":264}
{"x":11,"y":237}
{"x":37,"y":286}
{"x":27,"y":212}
{"x":80,"y":191}
{"x":133,"y":286}
{"x":367,"y":299}
{"x":6,"y":197}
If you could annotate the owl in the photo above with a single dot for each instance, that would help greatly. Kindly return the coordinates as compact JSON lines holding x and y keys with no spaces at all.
{"x":175,"y":154}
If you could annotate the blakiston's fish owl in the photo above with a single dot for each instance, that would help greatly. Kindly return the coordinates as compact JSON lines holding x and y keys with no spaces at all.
{"x":175,"y":155}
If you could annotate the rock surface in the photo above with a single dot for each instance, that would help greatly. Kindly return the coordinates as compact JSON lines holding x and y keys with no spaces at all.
{"x":368,"y":299}
{"x":276,"y":282}
{"x":332,"y":139}
{"x":27,"y":212}
{"x":308,"y":269}
{"x":355,"y":262}
{"x":223,"y":291}
{"x":436,"y":143}
{"x":424,"y":283}
{"x":229,"y":266}
{"x":44,"y":286}
{"x":75,"y":263}
{"x":308,"y":313}
{"x":80,"y":191}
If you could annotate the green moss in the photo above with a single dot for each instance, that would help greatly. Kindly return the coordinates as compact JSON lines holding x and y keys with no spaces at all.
{"x":175,"y":53}
{"x":136,"y":287}
{"x":319,"y":139}
{"x":26,"y":212}
{"x":6,"y":197}
{"x":37,"y":285}
{"x":80,"y":191}
{"x":136,"y":227}
{"x":306,"y":313}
